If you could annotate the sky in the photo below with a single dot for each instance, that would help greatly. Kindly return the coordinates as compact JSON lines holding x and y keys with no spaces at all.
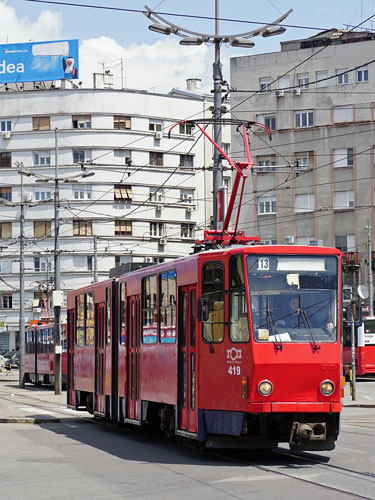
{"x":157,"y":62}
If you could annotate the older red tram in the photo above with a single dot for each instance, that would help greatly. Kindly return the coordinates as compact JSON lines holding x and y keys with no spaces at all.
{"x":39,"y":354}
{"x":236,"y":347}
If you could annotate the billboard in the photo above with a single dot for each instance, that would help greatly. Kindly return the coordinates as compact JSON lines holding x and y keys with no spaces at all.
{"x":38,"y":61}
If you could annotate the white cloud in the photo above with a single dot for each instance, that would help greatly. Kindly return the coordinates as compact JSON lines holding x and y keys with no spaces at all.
{"x":160,"y":66}
{"x":48,"y":26}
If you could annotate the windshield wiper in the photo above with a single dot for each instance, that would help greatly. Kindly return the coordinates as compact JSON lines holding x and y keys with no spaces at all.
{"x":306,"y":321}
{"x":271,"y":323}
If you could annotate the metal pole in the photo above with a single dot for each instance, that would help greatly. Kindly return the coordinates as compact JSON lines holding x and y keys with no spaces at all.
{"x":370,"y":279}
{"x":58,"y":383}
{"x":353,"y":374}
{"x":21,"y":373}
{"x":95,"y":260}
{"x":217,"y":167}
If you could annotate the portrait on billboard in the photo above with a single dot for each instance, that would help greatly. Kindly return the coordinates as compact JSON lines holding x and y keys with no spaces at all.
{"x":69,"y":67}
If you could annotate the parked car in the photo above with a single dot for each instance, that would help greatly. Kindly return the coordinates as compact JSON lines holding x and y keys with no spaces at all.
{"x":12,"y":361}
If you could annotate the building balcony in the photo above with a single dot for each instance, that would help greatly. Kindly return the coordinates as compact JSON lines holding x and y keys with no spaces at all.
{"x":350,"y":260}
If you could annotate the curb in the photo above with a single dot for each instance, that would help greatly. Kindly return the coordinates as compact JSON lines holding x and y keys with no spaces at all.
{"x":29,"y":420}
{"x":359,"y":405}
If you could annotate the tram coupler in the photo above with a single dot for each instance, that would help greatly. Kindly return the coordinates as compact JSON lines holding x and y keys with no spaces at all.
{"x":302,"y":432}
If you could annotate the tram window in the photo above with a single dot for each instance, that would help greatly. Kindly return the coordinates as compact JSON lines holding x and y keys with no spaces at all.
{"x":167,"y":311}
{"x":192,"y":318}
{"x":182,"y":304}
{"x":149,"y":309}
{"x":122,"y":314}
{"x":90,"y":319}
{"x":80,"y":321}
{"x":108,"y":314}
{"x":238,"y":314}
{"x":63,"y":337}
{"x":213,"y":291}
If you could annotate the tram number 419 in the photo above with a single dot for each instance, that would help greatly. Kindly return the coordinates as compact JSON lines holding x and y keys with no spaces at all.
{"x":234,"y":370}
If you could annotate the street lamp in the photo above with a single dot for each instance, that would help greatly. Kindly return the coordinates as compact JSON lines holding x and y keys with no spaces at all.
{"x":188,"y":37}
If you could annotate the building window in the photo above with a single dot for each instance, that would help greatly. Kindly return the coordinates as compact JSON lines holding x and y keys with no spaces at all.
{"x":123,"y":227}
{"x":5,"y":125}
{"x":343,"y":157}
{"x":269,"y":242}
{"x":343,"y":199}
{"x":303,"y":80}
{"x":82,"y":192}
{"x":5,"y":160}
{"x":345,"y":243}
{"x":156,"y":158}
{"x":124,"y":155}
{"x":5,"y":229}
{"x":121,"y":122}
{"x":6,"y":301}
{"x":187,"y":195}
{"x":6,"y":193}
{"x":185,"y":128}
{"x":42,"y":228}
{"x":82,"y":228}
{"x":225,"y":146}
{"x":42,"y":265}
{"x":187,"y":230}
{"x":81,"y":121}
{"x":303,"y":119}
{"x":82,"y":155}
{"x":42,"y":158}
{"x":301,"y":161}
{"x":284,"y":82}
{"x":362,"y":75}
{"x":268,"y":120}
{"x":186,"y":161}
{"x":342,"y":79}
{"x":265,"y":84}
{"x":89,"y":263}
{"x":155,"y":125}
{"x":41,"y":123}
{"x":304,"y":202}
{"x":342,"y":114}
{"x":266,"y":163}
{"x":123,"y":192}
{"x":42,"y":194}
{"x":156,"y":229}
{"x":321,"y":75}
{"x":156,"y":195}
{"x":267,"y":205}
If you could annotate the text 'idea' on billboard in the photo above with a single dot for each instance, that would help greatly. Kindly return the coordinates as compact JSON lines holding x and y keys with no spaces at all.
{"x":38,"y":61}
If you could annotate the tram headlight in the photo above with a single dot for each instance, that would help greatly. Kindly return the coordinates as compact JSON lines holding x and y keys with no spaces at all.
{"x":327,"y":387}
{"x":265,"y":388}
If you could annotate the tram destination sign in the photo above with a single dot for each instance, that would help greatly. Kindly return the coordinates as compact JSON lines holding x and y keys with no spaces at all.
{"x":38,"y":61}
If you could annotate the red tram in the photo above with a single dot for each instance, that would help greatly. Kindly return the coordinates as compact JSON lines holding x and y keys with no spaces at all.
{"x":234,"y":347}
{"x":364,"y":347}
{"x":39,"y":354}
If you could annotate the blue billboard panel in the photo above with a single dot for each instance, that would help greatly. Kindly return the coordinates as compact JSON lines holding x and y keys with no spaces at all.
{"x":38,"y":61}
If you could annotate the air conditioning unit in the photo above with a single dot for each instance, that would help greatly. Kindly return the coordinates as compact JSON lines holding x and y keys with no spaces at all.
{"x":297,"y":91}
{"x":158,"y":135}
{"x":37,"y":310}
{"x":163,"y":241}
{"x":289,"y":240}
{"x":316,"y":243}
{"x":5,"y":135}
{"x":279,"y":93}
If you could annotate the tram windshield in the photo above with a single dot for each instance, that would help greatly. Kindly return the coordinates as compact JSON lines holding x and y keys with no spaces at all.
{"x":293,"y":298}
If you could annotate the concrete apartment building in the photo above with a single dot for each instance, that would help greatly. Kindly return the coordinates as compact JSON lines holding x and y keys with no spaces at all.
{"x":314,"y":183}
{"x":148,"y":200}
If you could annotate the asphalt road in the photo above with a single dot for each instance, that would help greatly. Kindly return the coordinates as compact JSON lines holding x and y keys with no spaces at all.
{"x":73,"y":457}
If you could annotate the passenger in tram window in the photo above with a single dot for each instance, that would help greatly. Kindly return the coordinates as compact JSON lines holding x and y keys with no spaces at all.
{"x":294,"y":319}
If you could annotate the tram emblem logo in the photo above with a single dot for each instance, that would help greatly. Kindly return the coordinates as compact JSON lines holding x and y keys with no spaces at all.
{"x":234,"y":354}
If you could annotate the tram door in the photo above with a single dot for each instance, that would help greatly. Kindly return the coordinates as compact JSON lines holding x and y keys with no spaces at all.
{"x":70,"y":360}
{"x":99,"y":356}
{"x":133,"y":358}
{"x":187,"y":385}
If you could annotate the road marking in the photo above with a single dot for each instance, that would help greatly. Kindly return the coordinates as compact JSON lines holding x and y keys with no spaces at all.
{"x":237,"y":479}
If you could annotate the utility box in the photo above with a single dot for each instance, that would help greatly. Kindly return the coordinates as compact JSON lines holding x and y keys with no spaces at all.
{"x":57,"y":298}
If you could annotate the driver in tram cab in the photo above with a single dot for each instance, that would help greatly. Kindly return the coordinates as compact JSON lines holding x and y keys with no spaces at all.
{"x":293,"y":320}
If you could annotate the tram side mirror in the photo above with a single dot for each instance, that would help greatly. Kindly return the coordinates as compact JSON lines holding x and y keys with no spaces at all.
{"x":203,"y":309}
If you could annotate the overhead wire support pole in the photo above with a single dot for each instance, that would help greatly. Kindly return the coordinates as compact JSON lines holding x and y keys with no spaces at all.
{"x":189,"y":37}
{"x":56,"y":303}
{"x":21,"y":373}
{"x":370,"y":278}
